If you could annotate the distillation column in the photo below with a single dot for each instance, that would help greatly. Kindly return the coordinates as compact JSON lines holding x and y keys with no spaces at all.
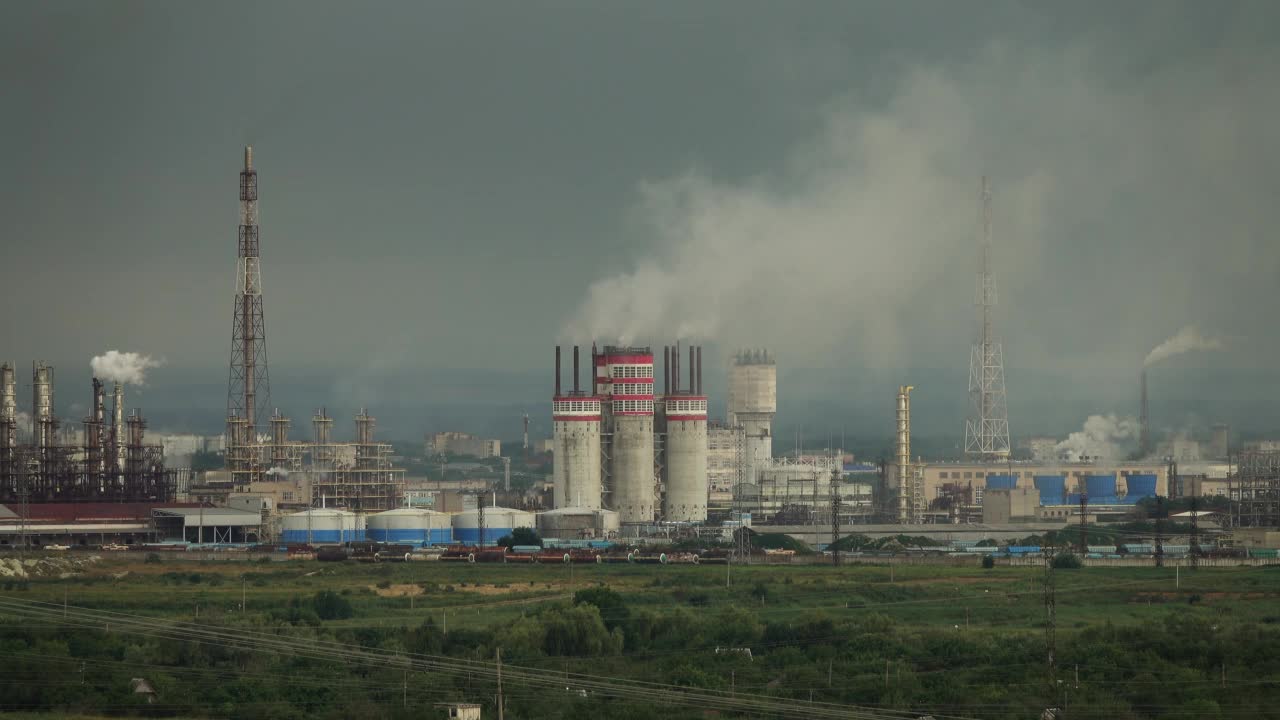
{"x":903,"y":445}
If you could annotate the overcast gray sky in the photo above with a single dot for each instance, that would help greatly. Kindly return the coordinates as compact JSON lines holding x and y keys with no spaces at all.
{"x":459,"y":185}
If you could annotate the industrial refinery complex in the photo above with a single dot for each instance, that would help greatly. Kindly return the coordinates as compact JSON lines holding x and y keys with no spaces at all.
{"x":630,"y":460}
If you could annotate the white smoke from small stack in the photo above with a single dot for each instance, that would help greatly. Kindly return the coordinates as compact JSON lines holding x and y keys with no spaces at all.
{"x":1186,"y":340}
{"x":123,"y":367}
{"x":1105,"y":437}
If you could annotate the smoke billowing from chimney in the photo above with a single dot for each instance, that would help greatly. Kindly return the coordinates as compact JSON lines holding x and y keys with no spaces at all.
{"x":1187,"y":340}
{"x":1105,"y":437}
{"x":123,"y":367}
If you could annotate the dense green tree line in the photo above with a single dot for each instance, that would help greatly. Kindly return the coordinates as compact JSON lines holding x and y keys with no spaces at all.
{"x":684,"y":632}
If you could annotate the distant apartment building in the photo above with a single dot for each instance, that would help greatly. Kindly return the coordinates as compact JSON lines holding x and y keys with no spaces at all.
{"x":460,"y":443}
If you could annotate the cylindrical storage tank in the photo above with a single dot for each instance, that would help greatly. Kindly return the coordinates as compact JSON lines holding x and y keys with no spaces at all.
{"x":498,"y":522}
{"x":1053,"y":489}
{"x":686,"y":459}
{"x":576,"y":456}
{"x":1100,"y":488}
{"x":322,"y":525}
{"x":569,"y":523}
{"x":1138,"y":486}
{"x":410,"y":526}
{"x":1002,"y":482}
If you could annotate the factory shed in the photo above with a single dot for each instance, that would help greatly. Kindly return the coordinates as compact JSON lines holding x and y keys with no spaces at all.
{"x":94,"y":523}
{"x":208,"y":525}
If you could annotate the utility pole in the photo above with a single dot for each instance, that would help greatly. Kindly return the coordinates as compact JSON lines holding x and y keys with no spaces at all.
{"x":1195,"y":534}
{"x":1084,"y":524}
{"x":835,"y":519}
{"x":1159,"y":531}
{"x":1051,"y":616}
{"x":499,"y":683}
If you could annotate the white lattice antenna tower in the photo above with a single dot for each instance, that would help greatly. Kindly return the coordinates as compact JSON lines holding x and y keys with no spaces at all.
{"x":986,"y":431}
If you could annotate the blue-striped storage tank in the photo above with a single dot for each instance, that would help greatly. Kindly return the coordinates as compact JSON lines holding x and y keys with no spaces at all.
{"x":1002,"y":482}
{"x":498,"y":522}
{"x":410,"y":526}
{"x":322,"y":526}
{"x":1101,"y":488}
{"x":1140,"y":485}
{"x":1053,"y":489}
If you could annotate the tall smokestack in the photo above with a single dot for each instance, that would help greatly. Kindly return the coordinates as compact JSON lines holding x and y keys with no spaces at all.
{"x":693,"y":367}
{"x":699,"y":389}
{"x":576,"y":387}
{"x":666,"y":369}
{"x":1144,"y":440}
{"x":675,"y":368}
{"x":557,"y":371}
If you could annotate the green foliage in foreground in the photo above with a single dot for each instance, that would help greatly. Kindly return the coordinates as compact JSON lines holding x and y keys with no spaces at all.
{"x":957,"y":641}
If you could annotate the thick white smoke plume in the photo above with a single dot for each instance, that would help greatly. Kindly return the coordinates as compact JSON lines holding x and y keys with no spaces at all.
{"x":1187,"y":340}
{"x":1106,"y":437}
{"x":123,"y":367}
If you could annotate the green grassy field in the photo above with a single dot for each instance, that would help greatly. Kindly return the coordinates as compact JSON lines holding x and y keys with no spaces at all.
{"x":951,"y":641}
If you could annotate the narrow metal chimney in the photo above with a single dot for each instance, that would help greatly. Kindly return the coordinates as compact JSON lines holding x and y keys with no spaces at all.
{"x":576,"y":386}
{"x":557,"y":371}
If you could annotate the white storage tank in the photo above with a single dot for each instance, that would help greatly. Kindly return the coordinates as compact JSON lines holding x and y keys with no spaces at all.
{"x":321,"y":526}
{"x":498,"y":521}
{"x":412,"y":526}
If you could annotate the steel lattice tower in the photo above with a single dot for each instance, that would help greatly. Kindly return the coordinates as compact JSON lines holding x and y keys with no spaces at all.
{"x":986,"y":432}
{"x":248,"y":390}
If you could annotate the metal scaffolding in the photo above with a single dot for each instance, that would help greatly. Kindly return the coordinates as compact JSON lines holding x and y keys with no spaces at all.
{"x":1254,"y":491}
{"x":115,"y":466}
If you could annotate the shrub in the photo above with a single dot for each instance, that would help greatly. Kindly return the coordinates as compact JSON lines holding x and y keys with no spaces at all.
{"x":329,"y":605}
{"x":988,"y":562}
{"x":152,"y":558}
{"x":1066,"y":561}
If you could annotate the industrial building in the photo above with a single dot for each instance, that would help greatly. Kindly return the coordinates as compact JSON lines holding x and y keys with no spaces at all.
{"x":753,"y":402}
{"x":367,"y":482}
{"x":946,"y":489}
{"x":621,"y":447}
{"x":124,"y":523}
{"x":460,"y":443}
{"x":113,"y":463}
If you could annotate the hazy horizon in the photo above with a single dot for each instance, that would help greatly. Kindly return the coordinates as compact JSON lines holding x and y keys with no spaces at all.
{"x":449,"y":190}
